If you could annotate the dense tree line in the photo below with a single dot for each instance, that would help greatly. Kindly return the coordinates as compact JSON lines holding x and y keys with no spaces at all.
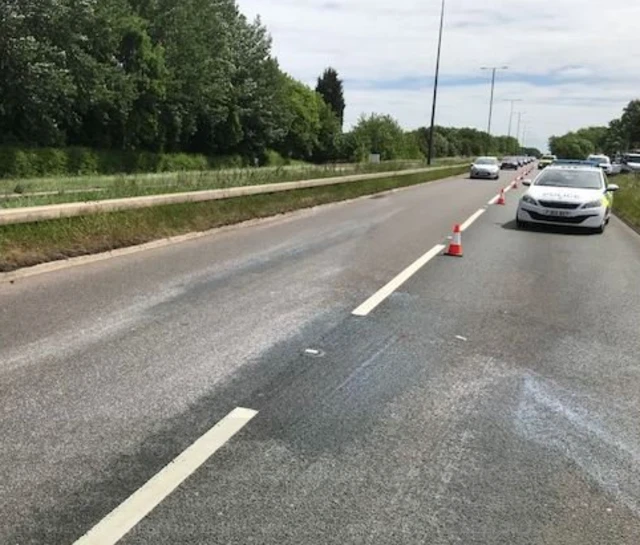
{"x":194,"y":76}
{"x":621,"y":135}
{"x":466,"y":142}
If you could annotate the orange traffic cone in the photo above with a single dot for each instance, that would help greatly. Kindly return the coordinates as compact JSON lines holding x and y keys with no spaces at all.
{"x":501,"y":200}
{"x":455,"y":246}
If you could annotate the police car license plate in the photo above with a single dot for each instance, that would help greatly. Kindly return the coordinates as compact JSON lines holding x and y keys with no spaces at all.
{"x":557,"y":213}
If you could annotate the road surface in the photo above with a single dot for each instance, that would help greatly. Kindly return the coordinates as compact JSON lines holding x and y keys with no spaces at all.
{"x":490,"y":399}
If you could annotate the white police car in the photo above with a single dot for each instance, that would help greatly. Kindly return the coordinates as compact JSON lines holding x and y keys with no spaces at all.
{"x":569,"y":193}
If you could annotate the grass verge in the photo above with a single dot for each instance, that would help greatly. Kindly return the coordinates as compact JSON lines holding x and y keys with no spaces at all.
{"x":626,"y":204}
{"x":28,"y":244}
{"x":65,"y":189}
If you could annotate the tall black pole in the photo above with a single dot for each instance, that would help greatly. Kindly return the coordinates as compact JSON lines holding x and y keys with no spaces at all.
{"x":513,"y":101}
{"x":435,"y":88}
{"x":493,"y":88}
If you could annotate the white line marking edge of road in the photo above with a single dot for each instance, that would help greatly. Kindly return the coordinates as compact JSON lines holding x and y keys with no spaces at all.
{"x":472,"y":218}
{"x":129,"y":513}
{"x":378,"y":297}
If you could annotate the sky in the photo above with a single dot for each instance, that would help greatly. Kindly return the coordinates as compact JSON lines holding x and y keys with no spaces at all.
{"x":572,"y":63}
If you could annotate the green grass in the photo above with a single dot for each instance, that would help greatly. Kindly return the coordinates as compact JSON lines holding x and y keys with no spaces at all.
{"x":64,"y":189}
{"x":32,"y":243}
{"x":626,"y":204}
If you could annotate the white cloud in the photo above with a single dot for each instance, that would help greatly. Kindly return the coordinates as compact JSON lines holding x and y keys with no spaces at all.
{"x":589,"y":49}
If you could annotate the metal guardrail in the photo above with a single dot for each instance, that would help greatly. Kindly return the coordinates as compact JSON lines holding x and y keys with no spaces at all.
{"x":56,"y":211}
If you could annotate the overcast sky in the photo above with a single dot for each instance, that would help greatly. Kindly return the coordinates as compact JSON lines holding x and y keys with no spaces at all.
{"x":572,"y":62}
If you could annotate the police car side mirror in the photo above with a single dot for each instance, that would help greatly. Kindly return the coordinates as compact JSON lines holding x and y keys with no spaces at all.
{"x":526,"y":182}
{"x":612,"y":187}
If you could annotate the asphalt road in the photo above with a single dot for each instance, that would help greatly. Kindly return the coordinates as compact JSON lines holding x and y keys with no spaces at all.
{"x":491,"y":399}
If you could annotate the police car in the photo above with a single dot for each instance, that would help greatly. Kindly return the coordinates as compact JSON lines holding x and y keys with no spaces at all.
{"x":568,"y":193}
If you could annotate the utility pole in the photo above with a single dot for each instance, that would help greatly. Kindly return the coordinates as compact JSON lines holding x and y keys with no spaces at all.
{"x":513,"y":101}
{"x":435,"y":88}
{"x":520,"y":114}
{"x":493,"y":69}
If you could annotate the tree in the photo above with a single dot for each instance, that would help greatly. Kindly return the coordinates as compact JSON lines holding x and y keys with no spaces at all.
{"x":532,"y":152}
{"x":630,"y":124}
{"x":33,"y":65}
{"x":331,"y":89}
{"x":596,"y":135}
{"x":329,"y":135}
{"x":571,"y":146}
{"x":303,"y":121}
{"x":379,"y":134}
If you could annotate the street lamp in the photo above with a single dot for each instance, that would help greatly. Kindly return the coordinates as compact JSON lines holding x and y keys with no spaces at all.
{"x":493,"y":69}
{"x":520,"y":114}
{"x":435,"y":87}
{"x":513,"y":101}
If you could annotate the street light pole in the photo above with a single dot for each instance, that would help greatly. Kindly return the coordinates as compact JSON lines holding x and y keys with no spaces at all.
{"x":435,"y":88}
{"x":513,"y":101}
{"x":493,"y":69}
{"x":520,"y":114}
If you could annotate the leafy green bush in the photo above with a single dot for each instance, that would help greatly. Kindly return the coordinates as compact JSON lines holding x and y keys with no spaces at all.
{"x":226,"y":161}
{"x":51,"y":161}
{"x":274,"y":159}
{"x":44,"y":162}
{"x":83,"y":161}
{"x":173,"y":162}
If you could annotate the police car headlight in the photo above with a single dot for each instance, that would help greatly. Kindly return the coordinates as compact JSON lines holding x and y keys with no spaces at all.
{"x":529,"y":200}
{"x":593,"y":204}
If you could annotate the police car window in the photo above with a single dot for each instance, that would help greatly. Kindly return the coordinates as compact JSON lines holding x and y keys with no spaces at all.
{"x":578,"y":179}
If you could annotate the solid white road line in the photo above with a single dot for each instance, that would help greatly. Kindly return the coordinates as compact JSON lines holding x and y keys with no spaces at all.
{"x":494,"y":200}
{"x":129,"y":513}
{"x":377,"y":298}
{"x":471,"y":219}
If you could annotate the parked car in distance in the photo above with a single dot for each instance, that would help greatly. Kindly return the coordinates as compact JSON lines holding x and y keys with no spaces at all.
{"x":602,"y":161}
{"x":509,"y":163}
{"x":546,"y":160}
{"x":630,"y":163}
{"x":485,"y":167}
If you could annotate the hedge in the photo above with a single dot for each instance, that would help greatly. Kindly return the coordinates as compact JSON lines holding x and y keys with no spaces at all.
{"x":16,"y":162}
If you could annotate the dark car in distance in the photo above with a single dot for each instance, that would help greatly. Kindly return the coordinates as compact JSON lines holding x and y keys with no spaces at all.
{"x":510,"y":163}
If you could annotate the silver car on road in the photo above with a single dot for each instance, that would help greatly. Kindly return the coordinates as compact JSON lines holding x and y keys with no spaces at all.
{"x":485,"y":167}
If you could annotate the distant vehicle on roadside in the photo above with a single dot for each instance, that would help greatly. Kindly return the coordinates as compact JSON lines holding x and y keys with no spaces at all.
{"x":546,"y":160}
{"x":485,"y":167}
{"x":509,"y":163}
{"x":602,"y":161}
{"x":630,"y":163}
{"x":616,"y":168}
{"x":572,"y":193}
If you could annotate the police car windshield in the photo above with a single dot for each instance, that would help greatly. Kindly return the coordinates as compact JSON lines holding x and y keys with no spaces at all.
{"x":577,"y":179}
